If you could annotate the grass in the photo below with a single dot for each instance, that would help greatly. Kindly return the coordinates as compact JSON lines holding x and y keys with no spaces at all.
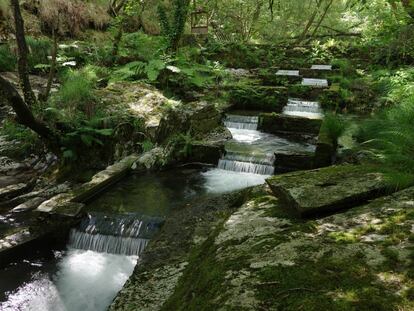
{"x":39,"y":50}
{"x":77,"y":93}
{"x":333,"y":127}
{"x":7,"y":59}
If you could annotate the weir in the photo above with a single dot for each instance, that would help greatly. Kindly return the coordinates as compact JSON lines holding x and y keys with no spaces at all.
{"x":242,"y":122}
{"x":119,"y":234}
{"x":302,"y":108}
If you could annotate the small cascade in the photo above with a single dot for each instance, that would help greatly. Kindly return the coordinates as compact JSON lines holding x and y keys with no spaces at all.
{"x":300,"y":108}
{"x":260,"y":165}
{"x":318,"y":83}
{"x":242,"y":122}
{"x":121,"y":234}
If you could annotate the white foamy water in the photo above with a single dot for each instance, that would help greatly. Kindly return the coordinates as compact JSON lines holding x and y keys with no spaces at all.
{"x":85,"y":281}
{"x":245,"y":136}
{"x":242,"y":122}
{"x":304,"y":109}
{"x":222,"y":181}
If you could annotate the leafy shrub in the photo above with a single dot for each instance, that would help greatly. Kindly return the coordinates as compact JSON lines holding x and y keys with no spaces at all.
{"x":388,"y":139}
{"x":28,"y":140}
{"x":345,"y":66}
{"x":7,"y":59}
{"x":142,"y":46}
{"x":333,"y":127}
{"x":76,"y":94}
{"x":39,"y":50}
{"x":84,"y":136}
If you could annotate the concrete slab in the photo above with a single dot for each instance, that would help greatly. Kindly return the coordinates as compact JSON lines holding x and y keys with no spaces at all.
{"x":288,"y":73}
{"x":328,"y":189}
{"x":321,"y":67}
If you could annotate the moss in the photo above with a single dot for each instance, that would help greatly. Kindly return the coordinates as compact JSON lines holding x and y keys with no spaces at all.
{"x":331,"y":283}
{"x":202,"y":280}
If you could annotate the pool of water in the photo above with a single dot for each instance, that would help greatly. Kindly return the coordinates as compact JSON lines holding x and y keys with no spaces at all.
{"x":71,"y":280}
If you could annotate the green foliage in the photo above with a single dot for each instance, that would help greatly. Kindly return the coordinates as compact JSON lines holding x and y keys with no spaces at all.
{"x":388,"y":139}
{"x":83,"y":136}
{"x":147,"y":145}
{"x":248,"y":94}
{"x":173,"y":27}
{"x":139,"y":70}
{"x":39,"y":50}
{"x":142,"y":47}
{"x":345,"y":66}
{"x":27,"y":140}
{"x":185,"y":142}
{"x":333,"y":127}
{"x":76,"y":93}
{"x":7,"y":59}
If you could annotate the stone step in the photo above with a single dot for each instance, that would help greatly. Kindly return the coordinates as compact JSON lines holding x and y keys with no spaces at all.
{"x":284,"y":124}
{"x":328,"y":190}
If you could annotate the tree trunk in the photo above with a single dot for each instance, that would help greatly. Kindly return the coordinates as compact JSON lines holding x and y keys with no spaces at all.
{"x":29,"y":96}
{"x":409,"y":7}
{"x":52,"y":71}
{"x":310,"y":22}
{"x":25,"y":115}
{"x":322,"y":18}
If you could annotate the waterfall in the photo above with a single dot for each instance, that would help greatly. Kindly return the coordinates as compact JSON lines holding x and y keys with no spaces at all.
{"x":121,"y":234}
{"x":261,"y":165}
{"x":320,"y":83}
{"x":300,"y":108}
{"x":242,"y":122}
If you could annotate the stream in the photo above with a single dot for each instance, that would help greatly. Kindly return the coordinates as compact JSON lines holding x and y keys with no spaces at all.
{"x":104,"y":248}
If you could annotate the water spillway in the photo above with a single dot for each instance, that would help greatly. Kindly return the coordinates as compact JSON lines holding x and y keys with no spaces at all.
{"x":242,"y":122}
{"x":124,"y":235}
{"x":302,"y":108}
{"x":260,"y":165}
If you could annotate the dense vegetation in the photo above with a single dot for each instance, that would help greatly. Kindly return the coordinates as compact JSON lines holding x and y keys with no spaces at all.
{"x":371,"y":43}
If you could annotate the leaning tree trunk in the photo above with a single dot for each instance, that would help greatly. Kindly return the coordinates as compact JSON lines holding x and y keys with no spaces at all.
{"x":29,"y":96}
{"x":25,"y":115}
{"x":318,"y":25}
{"x":309,"y":23}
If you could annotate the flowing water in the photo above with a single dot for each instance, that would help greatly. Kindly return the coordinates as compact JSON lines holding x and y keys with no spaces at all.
{"x":103,"y":249}
{"x":249,"y":157}
{"x":305,"y":109}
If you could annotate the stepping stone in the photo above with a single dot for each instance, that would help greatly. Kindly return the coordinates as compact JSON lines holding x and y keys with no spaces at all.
{"x":294,"y":73}
{"x":315,"y":82}
{"x":328,"y":189}
{"x":321,"y":67}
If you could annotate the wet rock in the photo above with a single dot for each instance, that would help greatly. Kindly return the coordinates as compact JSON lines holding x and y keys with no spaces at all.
{"x":287,"y":161}
{"x":12,"y":191}
{"x":29,"y":205}
{"x":328,"y":189}
{"x":208,"y":153}
{"x":278,"y":124}
{"x":52,"y":204}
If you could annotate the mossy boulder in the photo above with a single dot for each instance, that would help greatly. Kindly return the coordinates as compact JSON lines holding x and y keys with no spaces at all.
{"x":328,"y":189}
